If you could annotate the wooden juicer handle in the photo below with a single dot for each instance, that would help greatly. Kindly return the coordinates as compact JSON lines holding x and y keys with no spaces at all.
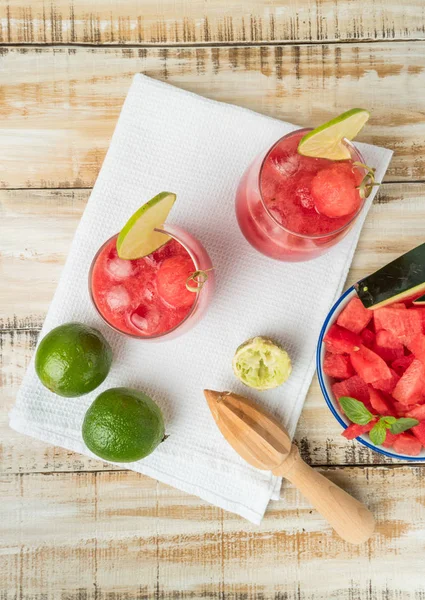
{"x":352,"y":521}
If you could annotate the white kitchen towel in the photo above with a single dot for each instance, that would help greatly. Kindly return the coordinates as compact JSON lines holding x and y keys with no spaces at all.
{"x":170,"y":139}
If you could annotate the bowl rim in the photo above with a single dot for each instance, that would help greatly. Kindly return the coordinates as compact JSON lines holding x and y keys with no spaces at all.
{"x":326,"y":395}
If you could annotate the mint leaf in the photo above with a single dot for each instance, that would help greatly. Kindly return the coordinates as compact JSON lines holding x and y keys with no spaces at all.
{"x":388,"y":421}
{"x":378,"y":433}
{"x":403,"y":424}
{"x":355,"y":410}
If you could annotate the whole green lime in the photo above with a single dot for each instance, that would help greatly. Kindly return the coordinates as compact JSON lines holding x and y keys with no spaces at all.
{"x":123,"y":425}
{"x":73,"y":359}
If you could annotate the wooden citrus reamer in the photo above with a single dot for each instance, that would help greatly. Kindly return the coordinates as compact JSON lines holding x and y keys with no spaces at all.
{"x":264,"y":443}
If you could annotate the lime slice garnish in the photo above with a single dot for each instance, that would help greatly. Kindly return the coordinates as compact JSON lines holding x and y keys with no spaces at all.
{"x":138,"y":237}
{"x":326,"y":141}
{"x":261,"y":364}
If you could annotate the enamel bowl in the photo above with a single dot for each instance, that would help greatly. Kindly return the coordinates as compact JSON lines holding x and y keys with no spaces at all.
{"x":326,"y":383}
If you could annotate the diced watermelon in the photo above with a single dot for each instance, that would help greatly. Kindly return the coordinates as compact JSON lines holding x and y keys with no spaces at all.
{"x":419,"y":432}
{"x":355,"y":316}
{"x":369,"y":366}
{"x":380,"y":404}
{"x":403,"y":324}
{"x":387,"y":385}
{"x":402,"y":363}
{"x":354,"y":430}
{"x":388,"y":346}
{"x":417,"y":347}
{"x":406,"y":443}
{"x":411,"y":384}
{"x":338,"y":366}
{"x":368,"y":338}
{"x":421,"y":313}
{"x":390,"y":438}
{"x":416,"y":412}
{"x":354,"y":387}
{"x":341,"y":341}
{"x":401,"y":409}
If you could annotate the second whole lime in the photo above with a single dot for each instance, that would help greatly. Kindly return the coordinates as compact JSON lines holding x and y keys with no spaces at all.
{"x":123,"y":425}
{"x":73,"y":359}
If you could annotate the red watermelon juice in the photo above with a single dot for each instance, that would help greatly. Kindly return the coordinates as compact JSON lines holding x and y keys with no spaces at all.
{"x":293,"y":207}
{"x":149,"y":297}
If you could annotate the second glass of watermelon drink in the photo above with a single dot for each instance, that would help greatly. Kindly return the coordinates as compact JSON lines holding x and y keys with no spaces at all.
{"x":294,"y":208}
{"x":152,"y":298}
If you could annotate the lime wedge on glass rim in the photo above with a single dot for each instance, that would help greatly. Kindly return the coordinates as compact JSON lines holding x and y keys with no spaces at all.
{"x":261,"y":364}
{"x":138,"y":237}
{"x":326,"y":141}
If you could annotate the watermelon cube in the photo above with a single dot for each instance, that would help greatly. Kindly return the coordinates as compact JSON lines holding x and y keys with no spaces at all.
{"x":406,"y":443}
{"x":354,"y":430}
{"x":421,"y":313}
{"x":355,"y":317}
{"x":417,"y":347}
{"x":354,"y":387}
{"x":338,"y":366}
{"x":401,"y":409}
{"x":419,"y":432}
{"x":380,"y":403}
{"x":388,"y":346}
{"x":390,"y":438}
{"x":403,"y":324}
{"x":387,"y":385}
{"x":341,"y":341}
{"x":402,"y":363}
{"x":369,"y":366}
{"x":368,"y":338}
{"x":411,"y":385}
{"x":416,"y":412}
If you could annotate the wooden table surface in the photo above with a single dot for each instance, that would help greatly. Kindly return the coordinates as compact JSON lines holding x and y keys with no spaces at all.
{"x":78,"y":529}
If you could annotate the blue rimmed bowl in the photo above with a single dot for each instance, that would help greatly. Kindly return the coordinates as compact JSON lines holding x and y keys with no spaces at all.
{"x":326,"y":383}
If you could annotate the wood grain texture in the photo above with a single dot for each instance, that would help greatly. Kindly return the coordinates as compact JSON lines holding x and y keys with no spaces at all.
{"x":36,"y":228}
{"x":121,"y":535}
{"x":59,"y":106}
{"x":200,"y":22}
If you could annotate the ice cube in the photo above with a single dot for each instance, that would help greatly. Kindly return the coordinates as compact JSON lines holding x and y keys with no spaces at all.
{"x":303,"y":192}
{"x":117,"y":298}
{"x":146,"y":319}
{"x":286,"y":166}
{"x":304,"y":197}
{"x":119,"y":268}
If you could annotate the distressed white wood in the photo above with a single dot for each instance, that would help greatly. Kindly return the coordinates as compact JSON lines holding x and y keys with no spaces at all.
{"x":59,"y":106}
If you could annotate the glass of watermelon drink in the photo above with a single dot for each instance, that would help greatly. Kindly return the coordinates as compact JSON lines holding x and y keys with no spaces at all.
{"x":153,"y":298}
{"x":294,"y":208}
{"x":377,"y":357}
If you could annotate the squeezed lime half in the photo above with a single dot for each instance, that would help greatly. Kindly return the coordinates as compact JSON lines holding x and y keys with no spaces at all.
{"x":261,"y":364}
{"x":327,"y":140}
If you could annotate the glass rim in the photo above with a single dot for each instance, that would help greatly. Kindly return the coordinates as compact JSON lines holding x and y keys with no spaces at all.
{"x":174,"y":236}
{"x":294,"y":233}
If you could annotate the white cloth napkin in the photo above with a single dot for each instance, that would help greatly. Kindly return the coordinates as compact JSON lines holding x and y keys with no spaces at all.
{"x":170,"y":139}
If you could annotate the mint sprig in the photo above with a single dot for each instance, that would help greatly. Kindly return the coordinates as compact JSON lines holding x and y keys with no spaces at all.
{"x":378,"y":433}
{"x":403,"y":424}
{"x":357,"y":412}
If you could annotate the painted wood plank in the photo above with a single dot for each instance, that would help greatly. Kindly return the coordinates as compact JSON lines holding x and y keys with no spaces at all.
{"x":121,"y":535}
{"x":216,"y":21}
{"x":59,"y":106}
